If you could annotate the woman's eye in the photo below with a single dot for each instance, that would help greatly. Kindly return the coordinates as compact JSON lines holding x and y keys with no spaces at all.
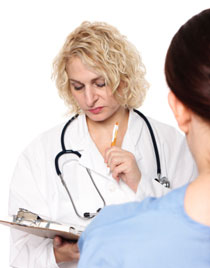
{"x":77,"y":87}
{"x":100,"y":84}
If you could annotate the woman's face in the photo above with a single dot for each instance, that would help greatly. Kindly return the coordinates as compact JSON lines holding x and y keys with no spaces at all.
{"x":90,"y":91}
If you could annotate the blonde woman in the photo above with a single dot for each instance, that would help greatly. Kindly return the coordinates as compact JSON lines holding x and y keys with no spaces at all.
{"x":101,"y":77}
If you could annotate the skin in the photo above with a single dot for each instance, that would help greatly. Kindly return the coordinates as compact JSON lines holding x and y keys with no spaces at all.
{"x":102,"y":111}
{"x":65,"y":251}
{"x":197,"y":201}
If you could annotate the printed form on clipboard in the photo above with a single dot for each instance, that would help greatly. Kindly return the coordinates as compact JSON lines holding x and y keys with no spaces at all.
{"x":32,"y":223}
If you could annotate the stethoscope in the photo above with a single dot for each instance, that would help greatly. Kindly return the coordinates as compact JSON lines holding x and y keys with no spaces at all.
{"x":88,"y":215}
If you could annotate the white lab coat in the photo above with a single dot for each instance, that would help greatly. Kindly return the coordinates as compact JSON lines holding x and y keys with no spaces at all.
{"x":35,"y":185}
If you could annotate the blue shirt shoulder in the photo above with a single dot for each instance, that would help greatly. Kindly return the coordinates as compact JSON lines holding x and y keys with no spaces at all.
{"x":150,"y":232}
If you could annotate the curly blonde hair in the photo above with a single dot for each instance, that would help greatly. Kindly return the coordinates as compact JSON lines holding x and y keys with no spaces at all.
{"x":102,"y":48}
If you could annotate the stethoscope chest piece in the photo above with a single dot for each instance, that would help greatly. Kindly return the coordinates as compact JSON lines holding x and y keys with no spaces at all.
{"x":64,"y":151}
{"x":163,"y":180}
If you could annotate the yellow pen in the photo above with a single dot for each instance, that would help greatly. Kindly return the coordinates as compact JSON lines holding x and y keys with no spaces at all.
{"x":114,"y":135}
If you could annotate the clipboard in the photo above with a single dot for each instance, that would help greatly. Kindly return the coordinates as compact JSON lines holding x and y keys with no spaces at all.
{"x":32,"y":223}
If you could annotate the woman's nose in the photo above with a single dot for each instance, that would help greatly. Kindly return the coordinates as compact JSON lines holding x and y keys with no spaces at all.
{"x":90,"y":96}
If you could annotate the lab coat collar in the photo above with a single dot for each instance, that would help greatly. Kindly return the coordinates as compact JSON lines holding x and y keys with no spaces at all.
{"x":91,"y":158}
{"x":133,"y":134}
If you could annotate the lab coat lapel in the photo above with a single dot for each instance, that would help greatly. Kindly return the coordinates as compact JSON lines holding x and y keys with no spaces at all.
{"x":91,"y":158}
{"x":133,"y":135}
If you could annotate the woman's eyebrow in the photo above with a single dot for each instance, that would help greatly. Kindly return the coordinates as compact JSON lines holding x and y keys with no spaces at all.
{"x":73,"y":80}
{"x":97,"y":78}
{"x":92,"y":80}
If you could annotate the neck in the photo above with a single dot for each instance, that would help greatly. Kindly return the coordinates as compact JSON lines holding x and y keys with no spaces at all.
{"x":199,"y":142}
{"x":202,"y":157}
{"x":101,"y":131}
{"x":120,"y":116}
{"x":197,"y":201}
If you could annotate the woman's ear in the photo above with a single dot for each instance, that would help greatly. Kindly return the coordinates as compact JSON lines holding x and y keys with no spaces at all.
{"x":181,"y":112}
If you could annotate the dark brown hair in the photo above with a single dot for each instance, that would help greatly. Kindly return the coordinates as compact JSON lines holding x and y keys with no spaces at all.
{"x":187,"y":65}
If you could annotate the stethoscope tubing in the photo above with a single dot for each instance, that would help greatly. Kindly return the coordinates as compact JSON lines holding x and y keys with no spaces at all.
{"x":64,"y":151}
{"x":64,"y":131}
{"x":157,"y":157}
{"x":87,"y":215}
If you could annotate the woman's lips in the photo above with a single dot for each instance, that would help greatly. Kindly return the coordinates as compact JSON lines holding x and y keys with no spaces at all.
{"x":96,"y":110}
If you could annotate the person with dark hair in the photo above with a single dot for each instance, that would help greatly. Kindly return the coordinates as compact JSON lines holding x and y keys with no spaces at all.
{"x":174,"y":230}
{"x":73,"y":170}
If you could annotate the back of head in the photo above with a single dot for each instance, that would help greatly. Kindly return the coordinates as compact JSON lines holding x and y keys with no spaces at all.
{"x":187,"y":65}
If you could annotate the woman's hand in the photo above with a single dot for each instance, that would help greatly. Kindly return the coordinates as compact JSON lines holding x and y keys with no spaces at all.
{"x":65,"y":251}
{"x":123,"y":166}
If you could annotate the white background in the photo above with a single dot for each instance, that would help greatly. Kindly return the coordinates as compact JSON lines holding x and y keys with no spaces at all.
{"x":31,"y":34}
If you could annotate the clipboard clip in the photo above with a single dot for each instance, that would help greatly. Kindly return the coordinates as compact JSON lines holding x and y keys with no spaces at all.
{"x":26,"y":215}
{"x":28,"y":218}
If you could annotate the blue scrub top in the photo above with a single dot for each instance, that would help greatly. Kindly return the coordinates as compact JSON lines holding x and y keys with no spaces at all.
{"x":152,"y":233}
